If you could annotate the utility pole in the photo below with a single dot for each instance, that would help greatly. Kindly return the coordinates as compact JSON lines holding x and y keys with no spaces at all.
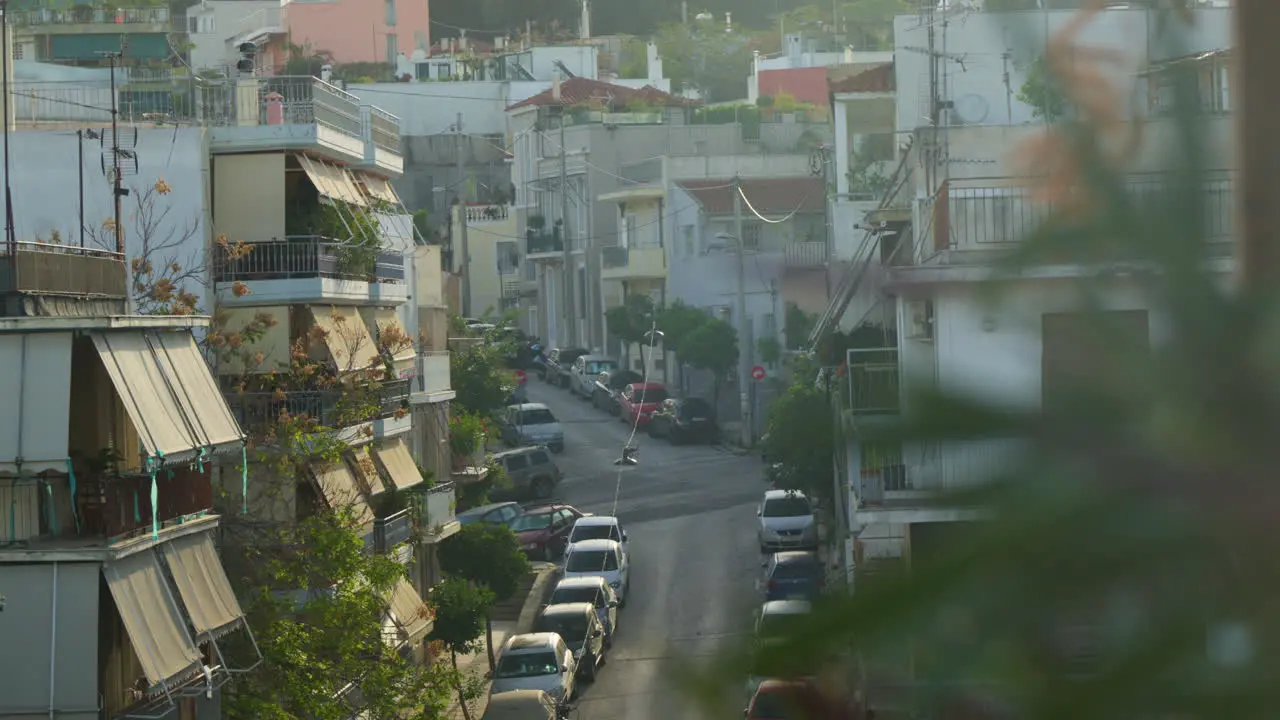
{"x":10,"y":232}
{"x":462,"y":219}
{"x":744,"y":370}
{"x":571,"y":329}
{"x":117,"y":186}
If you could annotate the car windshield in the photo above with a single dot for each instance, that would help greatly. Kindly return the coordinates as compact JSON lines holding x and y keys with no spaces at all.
{"x":536,"y":521}
{"x":599,"y":366}
{"x":573,"y":595}
{"x":795,"y":570}
{"x":573,"y":628}
{"x":526,"y":665}
{"x":595,"y":532}
{"x":585,"y":561}
{"x":652,"y":395}
{"x":536,"y":417}
{"x":787,"y":507}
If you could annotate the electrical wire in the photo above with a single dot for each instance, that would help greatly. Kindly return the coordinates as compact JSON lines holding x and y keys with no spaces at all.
{"x":635,"y":425}
{"x":762,"y":218}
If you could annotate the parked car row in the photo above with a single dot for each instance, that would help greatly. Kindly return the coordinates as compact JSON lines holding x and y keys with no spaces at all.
{"x":538,"y":672}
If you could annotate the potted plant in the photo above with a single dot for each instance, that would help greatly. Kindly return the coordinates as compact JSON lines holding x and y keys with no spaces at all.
{"x":466,"y":436}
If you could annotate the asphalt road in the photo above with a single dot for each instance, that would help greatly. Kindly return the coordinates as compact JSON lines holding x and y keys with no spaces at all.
{"x":689,"y":512}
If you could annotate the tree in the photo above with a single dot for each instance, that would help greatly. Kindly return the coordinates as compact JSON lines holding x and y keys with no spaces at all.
{"x":799,"y":435}
{"x":480,"y":382}
{"x":677,"y":321}
{"x":798,"y":324}
{"x":868,"y":24}
{"x":462,"y":611}
{"x":1043,"y":92}
{"x":701,"y":56}
{"x":489,"y":556}
{"x":713,"y":347}
{"x":631,"y":322}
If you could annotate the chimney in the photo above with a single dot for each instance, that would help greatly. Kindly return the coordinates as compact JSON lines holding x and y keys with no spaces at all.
{"x":584,"y":25}
{"x":654,"y":63}
{"x":555,"y":86}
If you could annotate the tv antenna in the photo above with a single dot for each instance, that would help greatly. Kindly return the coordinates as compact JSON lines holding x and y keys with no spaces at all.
{"x":117,"y":160}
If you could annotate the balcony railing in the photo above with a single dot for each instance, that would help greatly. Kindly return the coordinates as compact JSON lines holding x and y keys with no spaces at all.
{"x":384,"y":128}
{"x":434,"y":507}
{"x":62,"y":270}
{"x":433,"y":373}
{"x":873,"y":382}
{"x":395,"y":529}
{"x":541,"y":242}
{"x":308,"y":257}
{"x":486,"y":213}
{"x":806,"y":255}
{"x":86,"y":15}
{"x":258,"y":411}
{"x":613,"y":256}
{"x":119,"y":508}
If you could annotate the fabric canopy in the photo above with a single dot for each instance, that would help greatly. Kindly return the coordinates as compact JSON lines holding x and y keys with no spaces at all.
{"x":150,"y":617}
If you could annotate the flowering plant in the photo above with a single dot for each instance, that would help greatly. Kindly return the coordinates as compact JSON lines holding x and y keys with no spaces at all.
{"x":466,"y":431}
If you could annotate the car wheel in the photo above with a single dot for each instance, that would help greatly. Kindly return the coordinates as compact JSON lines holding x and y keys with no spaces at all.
{"x":542,"y":488}
{"x":591,"y":671}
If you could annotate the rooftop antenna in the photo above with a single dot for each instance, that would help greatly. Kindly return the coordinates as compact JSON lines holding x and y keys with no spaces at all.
{"x":120,"y":158}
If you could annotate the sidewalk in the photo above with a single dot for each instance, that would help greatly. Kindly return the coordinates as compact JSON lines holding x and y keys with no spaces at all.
{"x":476,"y":665}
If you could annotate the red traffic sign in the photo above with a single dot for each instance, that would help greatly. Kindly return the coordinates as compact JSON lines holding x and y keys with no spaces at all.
{"x":757,"y":372}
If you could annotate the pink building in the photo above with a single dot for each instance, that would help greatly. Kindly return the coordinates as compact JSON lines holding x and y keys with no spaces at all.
{"x":360,"y":30}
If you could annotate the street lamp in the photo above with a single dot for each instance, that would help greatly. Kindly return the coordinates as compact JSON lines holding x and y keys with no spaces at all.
{"x":744,"y":370}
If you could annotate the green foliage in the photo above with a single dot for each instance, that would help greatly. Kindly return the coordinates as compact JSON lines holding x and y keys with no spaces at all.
{"x":770,"y":351}
{"x":631,"y":321}
{"x":480,"y":381}
{"x":461,"y":608}
{"x":1043,"y":92}
{"x":712,"y":346}
{"x":314,"y":648}
{"x":868,"y":24}
{"x":677,"y":321}
{"x":797,"y":326}
{"x":702,"y":56}
{"x":634,"y":61}
{"x":467,"y":431}
{"x":487,"y":555}
{"x":799,"y":434}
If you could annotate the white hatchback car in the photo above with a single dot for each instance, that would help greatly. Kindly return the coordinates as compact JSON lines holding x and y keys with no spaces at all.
{"x":598,"y":527}
{"x":536,"y":661}
{"x":605,"y":558}
{"x":786,"y":522}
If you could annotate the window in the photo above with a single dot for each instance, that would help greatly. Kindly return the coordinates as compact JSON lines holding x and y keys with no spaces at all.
{"x":540,"y":521}
{"x":585,"y":561}
{"x":539,"y":458}
{"x":536,"y":417}
{"x":444,"y":71}
{"x":528,"y":665}
{"x":391,"y":13}
{"x":751,"y":232}
{"x":787,"y":507}
{"x":573,"y":628}
{"x":582,"y":292}
{"x":508,"y":257}
{"x":508,"y":513}
{"x":576,"y":595}
{"x":393,"y":48}
{"x":596,"y":532}
{"x":563,"y":517}
{"x":517,"y":462}
{"x":629,"y":236}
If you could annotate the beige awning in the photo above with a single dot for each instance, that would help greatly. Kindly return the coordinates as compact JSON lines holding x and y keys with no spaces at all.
{"x":367,"y":471}
{"x":410,"y":612}
{"x":168,"y":392}
{"x":151,"y":619}
{"x":203,"y":585}
{"x":347,"y":337}
{"x":331,"y":181}
{"x":379,"y":188}
{"x":340,"y":490}
{"x":399,"y":464}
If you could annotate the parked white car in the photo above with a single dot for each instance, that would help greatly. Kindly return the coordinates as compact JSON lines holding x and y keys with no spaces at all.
{"x":522,"y":705}
{"x":605,"y":558}
{"x":598,"y":527}
{"x":786,"y":522}
{"x":536,"y":661}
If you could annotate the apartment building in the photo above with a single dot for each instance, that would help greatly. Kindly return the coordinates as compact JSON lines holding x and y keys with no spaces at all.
{"x":491,"y":272}
{"x":589,"y":132}
{"x":85,"y":32}
{"x":113,"y":600}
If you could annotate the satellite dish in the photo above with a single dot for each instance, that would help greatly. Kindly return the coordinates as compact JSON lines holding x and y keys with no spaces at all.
{"x":970,"y":109}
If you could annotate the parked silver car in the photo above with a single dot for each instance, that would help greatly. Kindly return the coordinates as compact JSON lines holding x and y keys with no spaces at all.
{"x":786,"y":522}
{"x":584,"y":372}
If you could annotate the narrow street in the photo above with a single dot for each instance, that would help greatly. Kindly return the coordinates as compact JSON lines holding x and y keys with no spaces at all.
{"x":689,"y":512}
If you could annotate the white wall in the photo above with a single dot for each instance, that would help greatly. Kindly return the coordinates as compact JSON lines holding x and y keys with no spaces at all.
{"x":978,"y":88}
{"x":45,"y":181}
{"x":230,"y":19}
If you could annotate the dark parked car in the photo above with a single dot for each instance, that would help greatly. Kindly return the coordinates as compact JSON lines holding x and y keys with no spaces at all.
{"x":495,"y":514}
{"x":543,"y":532}
{"x":793,"y":575}
{"x":682,"y":420}
{"x":608,"y":385}
{"x":579,"y":626}
{"x":560,"y":362}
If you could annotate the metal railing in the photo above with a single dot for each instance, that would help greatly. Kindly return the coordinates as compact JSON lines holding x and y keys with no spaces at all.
{"x":258,"y":411}
{"x":486,"y":213}
{"x":873,"y":382}
{"x":85,"y":15}
{"x":990,"y":213}
{"x":812,"y":254}
{"x":120,"y":507}
{"x":62,"y":270}
{"x":614,"y":256}
{"x":392,"y":530}
{"x":306,"y":257}
{"x":384,"y":128}
{"x":434,"y":507}
{"x":543,"y":241}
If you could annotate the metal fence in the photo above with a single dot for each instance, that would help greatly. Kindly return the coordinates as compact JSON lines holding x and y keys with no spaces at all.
{"x":305,"y":257}
{"x":258,"y":411}
{"x":385,"y":129}
{"x":63,"y":269}
{"x":806,"y":255}
{"x":86,"y":14}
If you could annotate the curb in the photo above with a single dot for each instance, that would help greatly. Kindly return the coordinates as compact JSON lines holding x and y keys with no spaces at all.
{"x":547,"y":576}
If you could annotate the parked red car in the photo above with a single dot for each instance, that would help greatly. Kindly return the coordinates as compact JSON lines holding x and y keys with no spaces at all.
{"x":543,"y":532}
{"x":802,"y":700}
{"x":639,"y":401}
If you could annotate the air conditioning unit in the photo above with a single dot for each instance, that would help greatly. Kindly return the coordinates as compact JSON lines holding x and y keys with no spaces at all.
{"x":919,"y":320}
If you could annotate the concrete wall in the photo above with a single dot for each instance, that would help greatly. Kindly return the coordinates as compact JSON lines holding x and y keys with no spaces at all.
{"x":430,"y":162}
{"x":50,"y":609}
{"x":978,"y":89}
{"x":46,"y":178}
{"x":358,"y":30}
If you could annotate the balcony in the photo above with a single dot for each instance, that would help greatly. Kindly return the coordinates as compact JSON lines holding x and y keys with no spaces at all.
{"x":872,"y":379}
{"x":258,"y":411}
{"x":543,"y":244}
{"x":432,"y":374}
{"x":392,"y":531}
{"x":94,"y":278}
{"x":381,"y":140}
{"x":435,"y":511}
{"x":631,"y":263}
{"x":89,"y":20}
{"x":806,"y":255}
{"x":477,"y":214}
{"x":311,"y":269}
